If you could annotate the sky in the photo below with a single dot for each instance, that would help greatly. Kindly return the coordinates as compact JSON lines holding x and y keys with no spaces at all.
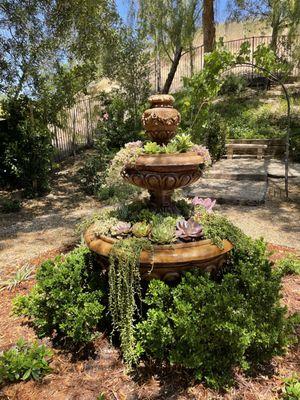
{"x":123,"y":6}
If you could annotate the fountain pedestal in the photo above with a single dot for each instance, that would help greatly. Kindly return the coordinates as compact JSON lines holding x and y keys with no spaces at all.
{"x":161,"y":174}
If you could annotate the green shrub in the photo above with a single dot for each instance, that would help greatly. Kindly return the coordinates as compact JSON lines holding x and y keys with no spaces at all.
{"x":91,"y":175}
{"x":233,"y":84}
{"x":289,"y":265}
{"x":10,"y":205}
{"x":212,"y":326}
{"x":213,"y":134}
{"x":291,"y":389}
{"x":26,"y":149}
{"x":66,"y":302}
{"x":121,"y":121}
{"x":24,"y":361}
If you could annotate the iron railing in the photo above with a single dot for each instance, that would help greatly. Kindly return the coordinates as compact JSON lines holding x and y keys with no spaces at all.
{"x":77,"y":125}
{"x":192,"y":62}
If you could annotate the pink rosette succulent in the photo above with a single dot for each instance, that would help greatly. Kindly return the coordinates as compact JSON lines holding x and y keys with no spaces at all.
{"x":189,"y":229}
{"x":121,"y":228}
{"x":208,"y":204}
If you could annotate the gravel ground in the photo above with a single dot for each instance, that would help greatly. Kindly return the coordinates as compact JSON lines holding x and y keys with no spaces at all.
{"x":48,"y":223}
{"x":278,"y":220}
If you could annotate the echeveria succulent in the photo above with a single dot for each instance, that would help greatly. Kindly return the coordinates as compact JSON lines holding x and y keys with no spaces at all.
{"x":141,"y":229}
{"x":163,"y":230}
{"x":121,"y":228}
{"x":207,"y":203}
{"x":188,"y":229}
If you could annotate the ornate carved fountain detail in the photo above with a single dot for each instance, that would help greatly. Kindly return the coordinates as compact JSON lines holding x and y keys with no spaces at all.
{"x":161,"y":120}
{"x":161,"y":174}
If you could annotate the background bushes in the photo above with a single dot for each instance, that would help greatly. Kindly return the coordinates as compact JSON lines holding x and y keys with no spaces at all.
{"x":26,"y":150}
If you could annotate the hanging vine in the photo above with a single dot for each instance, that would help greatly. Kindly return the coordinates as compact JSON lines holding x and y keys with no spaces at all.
{"x":125,"y":290}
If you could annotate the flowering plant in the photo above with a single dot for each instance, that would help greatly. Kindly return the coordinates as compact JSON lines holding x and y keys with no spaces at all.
{"x":203,"y":152}
{"x":208,"y":204}
{"x":125,"y":156}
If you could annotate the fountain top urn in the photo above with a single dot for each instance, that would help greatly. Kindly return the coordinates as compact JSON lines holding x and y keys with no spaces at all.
{"x":161,"y":120}
{"x":161,"y":174}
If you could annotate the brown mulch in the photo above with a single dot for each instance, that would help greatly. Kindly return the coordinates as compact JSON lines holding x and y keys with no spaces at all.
{"x":104,"y":373}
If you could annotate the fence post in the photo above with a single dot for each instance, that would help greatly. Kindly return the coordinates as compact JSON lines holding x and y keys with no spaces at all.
{"x":252,"y":57}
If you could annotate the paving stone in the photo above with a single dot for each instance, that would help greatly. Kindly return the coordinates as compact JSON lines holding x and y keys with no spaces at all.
{"x":244,"y":192}
{"x":276,"y":169}
{"x":239,"y":169}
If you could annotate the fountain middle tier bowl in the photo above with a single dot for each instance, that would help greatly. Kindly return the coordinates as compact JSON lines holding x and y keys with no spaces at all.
{"x":166,"y":262}
{"x":164,"y":172}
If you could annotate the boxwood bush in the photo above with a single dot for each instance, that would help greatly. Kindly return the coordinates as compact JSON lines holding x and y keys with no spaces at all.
{"x":210,"y":326}
{"x":67,"y":301}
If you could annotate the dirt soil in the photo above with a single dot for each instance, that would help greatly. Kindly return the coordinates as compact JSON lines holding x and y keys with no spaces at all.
{"x":43,"y":229}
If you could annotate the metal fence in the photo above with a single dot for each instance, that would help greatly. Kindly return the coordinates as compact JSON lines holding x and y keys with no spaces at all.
{"x":76,"y":127}
{"x":192,"y":62}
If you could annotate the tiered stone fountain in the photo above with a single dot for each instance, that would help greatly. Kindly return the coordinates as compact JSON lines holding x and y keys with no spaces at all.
{"x":161,"y":174}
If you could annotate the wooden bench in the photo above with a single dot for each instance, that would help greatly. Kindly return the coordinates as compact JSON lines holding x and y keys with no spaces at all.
{"x":245,"y":146}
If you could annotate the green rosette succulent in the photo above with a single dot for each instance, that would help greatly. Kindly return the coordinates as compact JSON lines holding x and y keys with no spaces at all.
{"x":141,"y":229}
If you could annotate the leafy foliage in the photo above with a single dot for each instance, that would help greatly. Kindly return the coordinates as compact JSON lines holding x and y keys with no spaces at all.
{"x":211,"y":122}
{"x":26,"y":151}
{"x":291,"y":389}
{"x":54,"y":49}
{"x":171,"y":28}
{"x":23,"y":274}
{"x":209,"y":326}
{"x":124,"y":289}
{"x":66,"y":302}
{"x":289,"y":265}
{"x":10,"y":205}
{"x":24,"y":361}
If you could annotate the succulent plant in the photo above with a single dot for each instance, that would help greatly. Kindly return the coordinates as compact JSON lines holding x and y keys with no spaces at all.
{"x":170,"y":148}
{"x":121,"y":228}
{"x":183,"y":142}
{"x":189,"y":229}
{"x":141,"y":229}
{"x":208,"y":204}
{"x":152,"y":148}
{"x":104,"y":225}
{"x":203,"y":152}
{"x":163,"y":230}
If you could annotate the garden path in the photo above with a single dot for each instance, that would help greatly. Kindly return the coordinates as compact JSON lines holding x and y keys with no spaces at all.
{"x":253,"y":199}
{"x":46,"y":225}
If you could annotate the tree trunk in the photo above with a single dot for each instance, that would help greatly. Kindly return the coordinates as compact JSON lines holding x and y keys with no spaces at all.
{"x":275,"y":33}
{"x":276,"y":19}
{"x":209,"y":29}
{"x":172,"y":71}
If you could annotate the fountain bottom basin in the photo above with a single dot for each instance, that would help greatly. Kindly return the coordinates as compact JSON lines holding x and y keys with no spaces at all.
{"x":166,"y":262}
